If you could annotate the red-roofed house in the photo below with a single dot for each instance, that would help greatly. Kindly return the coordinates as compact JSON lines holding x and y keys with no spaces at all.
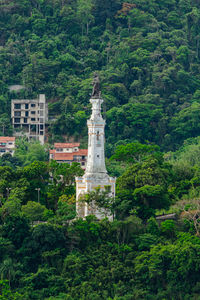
{"x":68,"y":153}
{"x":7,"y":145}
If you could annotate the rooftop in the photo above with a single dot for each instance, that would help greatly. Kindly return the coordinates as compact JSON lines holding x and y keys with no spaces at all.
{"x":66,"y":145}
{"x":7,"y":139}
{"x":68,"y":156}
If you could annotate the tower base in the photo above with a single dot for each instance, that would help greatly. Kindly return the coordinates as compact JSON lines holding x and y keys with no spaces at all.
{"x":88,"y":183}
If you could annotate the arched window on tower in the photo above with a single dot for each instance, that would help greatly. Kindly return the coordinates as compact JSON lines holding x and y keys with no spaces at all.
{"x":97,"y":135}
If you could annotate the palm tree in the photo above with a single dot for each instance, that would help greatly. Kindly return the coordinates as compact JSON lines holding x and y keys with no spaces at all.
{"x":7,"y":269}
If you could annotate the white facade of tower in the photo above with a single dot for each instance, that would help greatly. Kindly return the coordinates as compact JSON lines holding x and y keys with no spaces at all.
{"x":96,"y":173}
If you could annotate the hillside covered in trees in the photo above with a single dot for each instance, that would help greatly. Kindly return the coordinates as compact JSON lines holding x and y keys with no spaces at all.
{"x":133,"y":257}
{"x":148,"y":58}
{"x":146,"y":52}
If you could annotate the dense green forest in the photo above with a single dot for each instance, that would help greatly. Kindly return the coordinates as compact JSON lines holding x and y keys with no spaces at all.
{"x":146,"y":52}
{"x":47,"y":254}
{"x":147,"y":55}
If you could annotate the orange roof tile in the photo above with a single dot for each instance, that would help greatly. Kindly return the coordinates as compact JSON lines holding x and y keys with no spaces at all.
{"x":66,"y":145}
{"x":69,"y":156}
{"x":81,"y":152}
{"x":64,"y":156}
{"x":52,"y":151}
{"x":7,"y":139}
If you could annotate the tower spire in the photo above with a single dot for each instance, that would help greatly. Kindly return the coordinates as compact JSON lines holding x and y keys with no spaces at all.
{"x":96,"y":138}
{"x":95,"y":173}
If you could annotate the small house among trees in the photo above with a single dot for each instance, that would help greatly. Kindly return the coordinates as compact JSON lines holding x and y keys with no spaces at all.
{"x":7,"y":145}
{"x":68,"y":153}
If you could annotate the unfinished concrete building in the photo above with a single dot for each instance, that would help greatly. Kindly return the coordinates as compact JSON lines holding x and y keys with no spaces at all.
{"x":29,"y":118}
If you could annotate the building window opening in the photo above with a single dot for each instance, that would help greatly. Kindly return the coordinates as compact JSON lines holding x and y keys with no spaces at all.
{"x":97,"y":135}
{"x":17,"y":120}
{"x":33,"y":127}
{"x":16,"y":125}
{"x":17,"y":113}
{"x":17,"y":106}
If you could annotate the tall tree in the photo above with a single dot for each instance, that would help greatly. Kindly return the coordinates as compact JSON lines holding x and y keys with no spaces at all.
{"x":84,"y":13}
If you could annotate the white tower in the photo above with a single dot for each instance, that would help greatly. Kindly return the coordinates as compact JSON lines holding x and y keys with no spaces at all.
{"x":95,"y":174}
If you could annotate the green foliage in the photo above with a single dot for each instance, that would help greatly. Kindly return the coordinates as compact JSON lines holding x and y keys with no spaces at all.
{"x":146,"y":52}
{"x":66,"y":209}
{"x":6,"y":292}
{"x":62,"y":181}
{"x":145,"y":241}
{"x":11,"y":208}
{"x":34,"y":211}
{"x":133,"y":152}
{"x":136,"y":121}
{"x":41,"y":280}
{"x":168,"y":228}
{"x":27,"y":152}
{"x":178,"y":259}
{"x":48,"y":237}
{"x":8,"y":160}
{"x":101,"y":200}
{"x":143,"y":187}
{"x":152,"y":226}
{"x":6,"y":248}
{"x":15,"y":229}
